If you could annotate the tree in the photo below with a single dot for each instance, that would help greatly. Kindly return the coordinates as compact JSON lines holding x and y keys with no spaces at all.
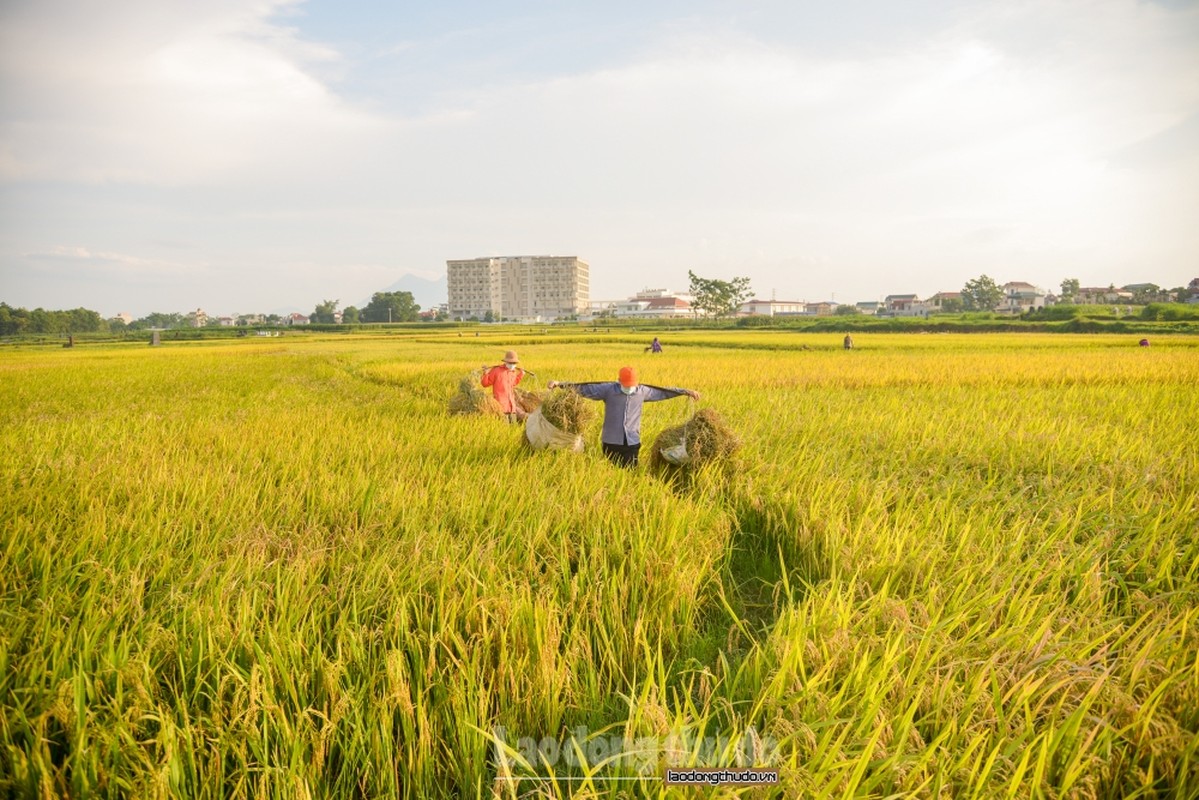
{"x":323,"y":313}
{"x":159,"y":319}
{"x":1148,"y":293}
{"x":391,"y":307}
{"x":350,"y":315}
{"x":1070,"y":290}
{"x":952,"y":305}
{"x":845,"y":311}
{"x":981,"y":294}
{"x":717,"y":298}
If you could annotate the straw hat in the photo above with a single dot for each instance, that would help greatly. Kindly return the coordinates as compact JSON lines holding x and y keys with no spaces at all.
{"x":510,"y":357}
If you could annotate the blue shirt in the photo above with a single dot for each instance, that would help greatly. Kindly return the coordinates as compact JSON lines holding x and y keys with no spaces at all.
{"x":622,"y":412}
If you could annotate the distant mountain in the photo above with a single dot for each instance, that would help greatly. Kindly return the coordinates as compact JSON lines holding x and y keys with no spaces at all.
{"x":427,"y":293}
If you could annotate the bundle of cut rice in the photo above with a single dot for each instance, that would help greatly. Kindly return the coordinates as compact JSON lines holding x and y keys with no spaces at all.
{"x":529,"y":401}
{"x":567,"y":411}
{"x":703,"y":439}
{"x":472,"y":398}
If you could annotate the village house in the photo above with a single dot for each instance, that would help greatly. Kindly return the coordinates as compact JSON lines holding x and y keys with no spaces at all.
{"x":1092,"y":295}
{"x":1019,"y":297}
{"x":823,"y":308}
{"x":944,"y":301}
{"x":773,"y":308}
{"x":895,"y":303}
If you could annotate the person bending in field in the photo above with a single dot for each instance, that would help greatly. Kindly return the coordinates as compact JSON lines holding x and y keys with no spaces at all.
{"x":654,"y":347}
{"x":623,"y":400}
{"x":503,"y":379}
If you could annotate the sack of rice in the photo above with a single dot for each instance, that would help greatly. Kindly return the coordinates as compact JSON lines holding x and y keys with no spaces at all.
{"x":541,"y":434}
{"x":568,"y":411}
{"x":558,"y":423}
{"x":472,"y":398}
{"x":703,"y":439}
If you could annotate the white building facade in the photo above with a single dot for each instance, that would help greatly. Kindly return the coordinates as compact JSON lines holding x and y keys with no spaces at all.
{"x":527,"y":288}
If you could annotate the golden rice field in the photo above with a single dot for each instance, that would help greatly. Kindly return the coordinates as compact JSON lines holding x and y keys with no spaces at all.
{"x":960,"y":566}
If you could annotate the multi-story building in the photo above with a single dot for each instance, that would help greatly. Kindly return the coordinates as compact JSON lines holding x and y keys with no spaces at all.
{"x":1019,"y":297}
{"x":518,"y":287}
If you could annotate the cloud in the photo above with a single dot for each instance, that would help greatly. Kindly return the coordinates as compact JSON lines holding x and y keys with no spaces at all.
{"x":79,"y":261}
{"x":160,"y":93}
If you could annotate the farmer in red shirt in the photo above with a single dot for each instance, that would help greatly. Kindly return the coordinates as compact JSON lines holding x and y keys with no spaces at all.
{"x":503,"y":379}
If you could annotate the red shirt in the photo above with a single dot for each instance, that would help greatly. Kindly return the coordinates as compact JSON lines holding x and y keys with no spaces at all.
{"x":503,"y":381}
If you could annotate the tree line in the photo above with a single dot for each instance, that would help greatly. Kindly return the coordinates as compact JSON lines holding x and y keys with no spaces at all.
{"x":383,"y":307}
{"x":39,"y":320}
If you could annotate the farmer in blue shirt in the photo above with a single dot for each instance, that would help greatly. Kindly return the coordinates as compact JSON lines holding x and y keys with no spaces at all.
{"x":623,"y":399}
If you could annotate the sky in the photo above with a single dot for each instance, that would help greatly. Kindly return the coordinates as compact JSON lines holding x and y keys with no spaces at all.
{"x":167,"y":155}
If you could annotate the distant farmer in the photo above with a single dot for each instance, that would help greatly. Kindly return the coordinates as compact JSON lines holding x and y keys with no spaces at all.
{"x":1144,"y":343}
{"x":623,"y":399}
{"x":848,"y":342}
{"x":502,"y":379}
{"x":654,"y":347}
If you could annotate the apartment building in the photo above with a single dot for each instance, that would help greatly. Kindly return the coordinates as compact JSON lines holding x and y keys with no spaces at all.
{"x":518,"y":287}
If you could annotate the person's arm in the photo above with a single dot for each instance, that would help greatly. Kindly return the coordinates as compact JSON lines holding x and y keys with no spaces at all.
{"x":520,"y":376}
{"x":655,"y":393}
{"x":592,"y":391}
{"x":488,"y":377}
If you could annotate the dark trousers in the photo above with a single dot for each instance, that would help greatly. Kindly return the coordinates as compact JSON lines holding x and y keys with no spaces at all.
{"x":622,"y":455}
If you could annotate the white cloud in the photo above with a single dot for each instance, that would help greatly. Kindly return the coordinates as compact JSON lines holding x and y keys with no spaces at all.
{"x":161,"y":93}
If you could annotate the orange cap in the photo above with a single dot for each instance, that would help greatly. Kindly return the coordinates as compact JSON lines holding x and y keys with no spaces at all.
{"x":628,"y":377}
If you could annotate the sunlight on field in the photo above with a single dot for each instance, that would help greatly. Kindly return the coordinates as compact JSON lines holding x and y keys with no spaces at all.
{"x":945,"y":565}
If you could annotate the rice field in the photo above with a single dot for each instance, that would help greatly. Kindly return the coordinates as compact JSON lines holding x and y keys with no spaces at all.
{"x":940,"y":566}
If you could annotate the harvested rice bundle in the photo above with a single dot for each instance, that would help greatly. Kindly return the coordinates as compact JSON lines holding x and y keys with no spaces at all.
{"x":472,"y":398}
{"x":703,"y":439}
{"x":567,"y":411}
{"x":529,"y":401}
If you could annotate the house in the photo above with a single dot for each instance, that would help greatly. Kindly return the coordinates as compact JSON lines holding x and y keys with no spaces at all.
{"x":773,"y":308}
{"x":648,"y":304}
{"x":942,"y":302}
{"x":1092,"y":295}
{"x":125,"y":317}
{"x":1149,"y":293}
{"x":1019,"y":297}
{"x":227,"y":322}
{"x":869,"y":307}
{"x":823,"y":308}
{"x":894,"y":303}
{"x":198,"y":318}
{"x":295,"y":318}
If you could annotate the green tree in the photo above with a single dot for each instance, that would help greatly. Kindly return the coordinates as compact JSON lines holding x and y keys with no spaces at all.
{"x":1070,"y":288}
{"x":845,"y":311}
{"x":952,"y":305}
{"x":1143,"y":295}
{"x":981,"y":294}
{"x":158,"y":319}
{"x":11,"y":321}
{"x":350,"y":315}
{"x":391,"y":307}
{"x":323,"y":314}
{"x":717,"y":298}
